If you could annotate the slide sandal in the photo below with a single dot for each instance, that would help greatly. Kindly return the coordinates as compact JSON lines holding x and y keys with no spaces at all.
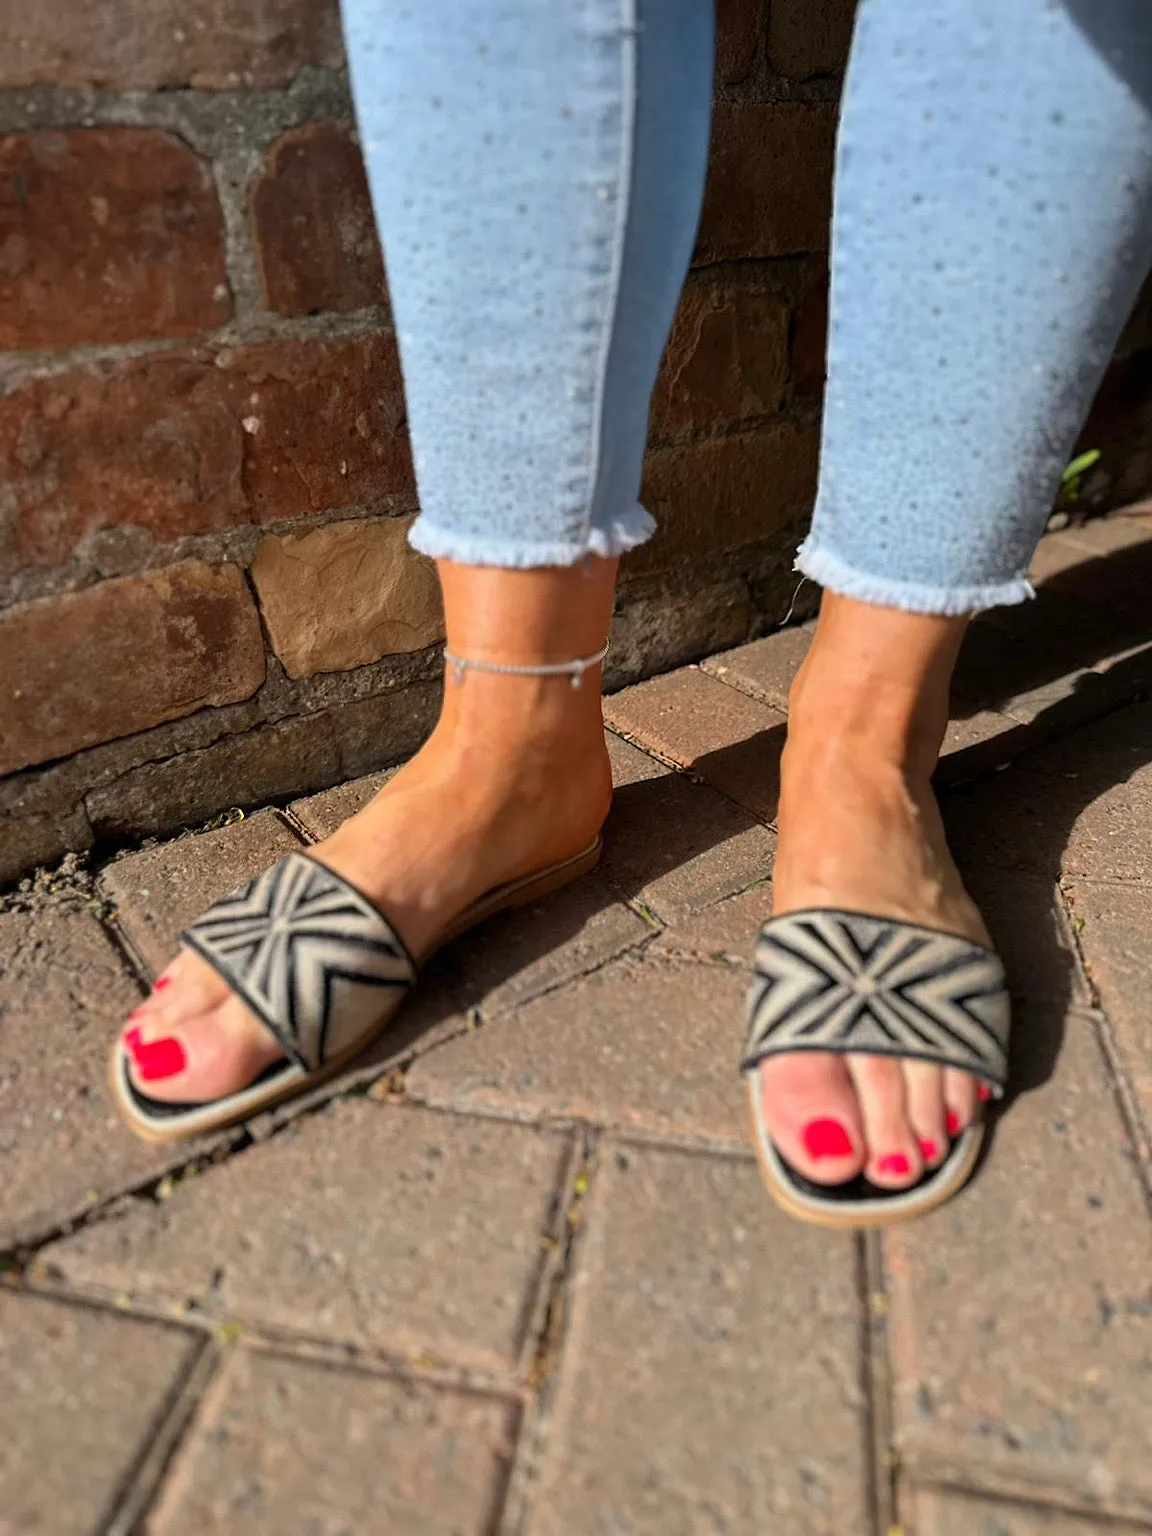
{"x":320,"y":965}
{"x":829,"y":980}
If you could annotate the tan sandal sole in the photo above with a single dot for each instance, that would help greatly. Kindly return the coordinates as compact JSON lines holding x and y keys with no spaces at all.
{"x":502,"y":898}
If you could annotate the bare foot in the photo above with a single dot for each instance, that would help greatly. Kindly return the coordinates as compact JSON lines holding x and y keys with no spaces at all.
{"x":514,"y":778}
{"x":860,"y":829}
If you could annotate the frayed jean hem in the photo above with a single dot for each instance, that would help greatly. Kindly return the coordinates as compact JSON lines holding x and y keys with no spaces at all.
{"x":444,"y":543}
{"x":913,"y":597}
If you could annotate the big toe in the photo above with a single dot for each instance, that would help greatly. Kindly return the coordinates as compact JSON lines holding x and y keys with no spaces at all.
{"x":193,"y":1040}
{"x":812,"y":1115}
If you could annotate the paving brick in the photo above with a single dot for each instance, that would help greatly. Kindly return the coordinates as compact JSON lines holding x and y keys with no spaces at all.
{"x":769,"y":181}
{"x":218,"y":44}
{"x":935,"y":1513}
{"x":634,"y":1044}
{"x":726,"y":359}
{"x":979,"y":742}
{"x":1114,"y":926}
{"x":537,"y":948}
{"x":739,"y":28}
{"x":159,"y":891}
{"x":810,"y":37}
{"x":125,"y":221}
{"x":1021,"y":1313}
{"x":1107,"y":562}
{"x":83,"y":1391}
{"x":1077,"y":805}
{"x":312,"y":221}
{"x":740,"y":1407}
{"x":720,"y":934}
{"x":730,"y":740}
{"x":321,"y":814}
{"x":674,"y":846}
{"x":195,"y":623}
{"x":343,"y":596}
{"x":300,"y":1448}
{"x":708,"y":497}
{"x":63,"y":994}
{"x":766,"y":667}
{"x":376,"y":1226}
{"x":199,"y":442}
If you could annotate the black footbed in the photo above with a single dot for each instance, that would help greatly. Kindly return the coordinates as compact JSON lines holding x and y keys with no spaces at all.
{"x":170,"y":1109}
{"x":854,"y":1190}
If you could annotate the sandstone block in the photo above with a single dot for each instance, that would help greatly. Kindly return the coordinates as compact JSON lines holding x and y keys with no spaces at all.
{"x":345,"y":595}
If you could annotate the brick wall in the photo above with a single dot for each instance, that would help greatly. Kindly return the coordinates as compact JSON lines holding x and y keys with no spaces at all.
{"x":206,"y":598}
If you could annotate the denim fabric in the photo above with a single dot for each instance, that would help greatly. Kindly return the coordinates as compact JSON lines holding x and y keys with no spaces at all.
{"x":536,"y":168}
{"x":993,"y":224}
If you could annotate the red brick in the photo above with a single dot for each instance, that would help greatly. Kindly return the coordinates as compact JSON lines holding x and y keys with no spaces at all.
{"x":123,"y":655}
{"x":83,"y":1393}
{"x":1020,"y":1320}
{"x":106,"y":235}
{"x":295,"y":1446}
{"x":810,"y":340}
{"x":769,"y":187}
{"x":731,"y":741}
{"x":64,"y":991}
{"x":766,"y":667}
{"x":378,"y":1226}
{"x":740,"y":25}
{"x":312,"y":220}
{"x":810,"y":37}
{"x":213,"y":44}
{"x":156,"y":892}
{"x":717,"y":1387}
{"x":631,"y":1045}
{"x":1115,"y":927}
{"x":726,"y":360}
{"x":196,"y":442}
{"x":726,"y":492}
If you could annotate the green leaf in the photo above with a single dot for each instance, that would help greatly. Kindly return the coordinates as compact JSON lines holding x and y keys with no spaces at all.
{"x":1080,"y":463}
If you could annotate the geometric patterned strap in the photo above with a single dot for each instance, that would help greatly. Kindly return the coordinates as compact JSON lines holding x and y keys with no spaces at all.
{"x":842,"y":981}
{"x":311,"y":956}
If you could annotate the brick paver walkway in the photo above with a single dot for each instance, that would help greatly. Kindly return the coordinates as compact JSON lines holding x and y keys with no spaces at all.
{"x":515,"y":1272}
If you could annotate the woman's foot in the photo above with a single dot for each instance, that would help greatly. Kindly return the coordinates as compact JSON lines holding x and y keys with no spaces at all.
{"x":514,"y":778}
{"x":860,"y":830}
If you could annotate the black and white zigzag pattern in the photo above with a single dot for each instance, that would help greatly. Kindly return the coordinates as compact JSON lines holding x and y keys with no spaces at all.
{"x":841,"y":981}
{"x":308,"y":953}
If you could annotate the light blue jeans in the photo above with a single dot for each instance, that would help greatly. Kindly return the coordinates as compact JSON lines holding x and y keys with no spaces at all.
{"x":537,"y":168}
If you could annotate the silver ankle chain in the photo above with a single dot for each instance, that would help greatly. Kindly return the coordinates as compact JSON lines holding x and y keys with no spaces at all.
{"x":573,"y":669}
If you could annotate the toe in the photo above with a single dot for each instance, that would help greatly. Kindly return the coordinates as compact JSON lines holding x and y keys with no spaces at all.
{"x":960,"y":1100}
{"x":893,"y":1154}
{"x":924,"y":1097}
{"x":812,"y":1115}
{"x":193,"y":1039}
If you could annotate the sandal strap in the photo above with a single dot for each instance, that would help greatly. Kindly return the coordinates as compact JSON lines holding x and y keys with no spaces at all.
{"x":826,"y":980}
{"x":308,"y":953}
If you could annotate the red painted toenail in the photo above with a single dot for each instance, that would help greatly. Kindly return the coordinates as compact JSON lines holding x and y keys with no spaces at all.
{"x":826,"y":1138}
{"x":161,"y":983}
{"x":159,"y":1058}
{"x":927,"y":1150}
{"x":132,"y":1039}
{"x":953,"y":1123}
{"x":895,"y":1162}
{"x":983,"y":1093}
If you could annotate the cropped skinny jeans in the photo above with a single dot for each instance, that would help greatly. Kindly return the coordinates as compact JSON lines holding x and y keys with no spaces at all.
{"x":537,"y":172}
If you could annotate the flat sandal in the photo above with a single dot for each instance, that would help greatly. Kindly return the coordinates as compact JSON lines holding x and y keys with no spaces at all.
{"x":321,"y":967}
{"x":836,"y":981}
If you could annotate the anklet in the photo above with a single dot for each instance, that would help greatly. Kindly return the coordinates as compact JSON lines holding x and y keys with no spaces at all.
{"x":573,"y":669}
